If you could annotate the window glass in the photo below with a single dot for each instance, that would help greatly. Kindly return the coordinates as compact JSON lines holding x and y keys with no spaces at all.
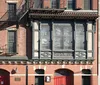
{"x":71,"y":4}
{"x":11,"y":41}
{"x":80,"y":36}
{"x":55,"y":3}
{"x":87,"y":4}
{"x":45,"y":36}
{"x":63,"y":36}
{"x":11,"y":10}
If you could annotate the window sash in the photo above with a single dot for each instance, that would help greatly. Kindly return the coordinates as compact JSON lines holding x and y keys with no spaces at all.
{"x":55,"y":3}
{"x":63,"y":34}
{"x":12,"y":41}
{"x":11,"y":10}
{"x":87,"y":4}
{"x":71,"y":4}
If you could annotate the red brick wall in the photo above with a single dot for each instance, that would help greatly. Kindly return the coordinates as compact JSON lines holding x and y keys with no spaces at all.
{"x":95,"y":4}
{"x":79,"y":4}
{"x":46,"y":3}
{"x":63,"y":3}
{"x":4,"y":5}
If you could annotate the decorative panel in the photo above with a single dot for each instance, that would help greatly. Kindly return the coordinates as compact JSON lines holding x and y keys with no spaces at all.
{"x":61,"y":55}
{"x":90,"y":55}
{"x":80,"y":55}
{"x":36,"y":54}
{"x":45,"y":55}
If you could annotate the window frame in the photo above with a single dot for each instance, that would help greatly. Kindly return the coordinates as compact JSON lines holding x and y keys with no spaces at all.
{"x":14,"y":42}
{"x":72,"y":5}
{"x":57,"y":4}
{"x":12,"y":13}
{"x":90,"y":7}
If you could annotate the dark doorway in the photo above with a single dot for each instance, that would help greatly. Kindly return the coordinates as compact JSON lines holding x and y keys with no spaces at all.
{"x":63,"y":77}
{"x":86,"y":78}
{"x":4,"y":77}
{"x":39,"y":80}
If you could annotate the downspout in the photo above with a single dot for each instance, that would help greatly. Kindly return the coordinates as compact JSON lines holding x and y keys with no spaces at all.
{"x":99,"y":42}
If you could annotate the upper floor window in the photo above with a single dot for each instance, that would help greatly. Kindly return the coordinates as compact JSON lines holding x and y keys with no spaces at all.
{"x":87,"y":4}
{"x":11,"y":10}
{"x":71,"y":4}
{"x":69,"y":40}
{"x":37,"y":3}
{"x":11,"y":41}
{"x":55,"y":3}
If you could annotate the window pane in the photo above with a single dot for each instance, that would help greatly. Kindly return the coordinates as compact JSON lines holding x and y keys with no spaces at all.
{"x":55,"y":3}
{"x":63,"y":36}
{"x":45,"y":36}
{"x":38,"y":3}
{"x":71,"y":4}
{"x":11,"y":10}
{"x":80,"y":42}
{"x":87,"y":4}
{"x":12,"y":41}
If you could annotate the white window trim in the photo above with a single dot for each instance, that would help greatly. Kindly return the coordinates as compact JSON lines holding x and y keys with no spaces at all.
{"x":11,"y":1}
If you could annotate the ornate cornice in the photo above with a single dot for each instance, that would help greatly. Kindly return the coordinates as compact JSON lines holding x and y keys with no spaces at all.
{"x":48,"y":62}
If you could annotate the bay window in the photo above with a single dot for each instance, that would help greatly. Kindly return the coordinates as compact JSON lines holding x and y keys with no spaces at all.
{"x":63,"y":40}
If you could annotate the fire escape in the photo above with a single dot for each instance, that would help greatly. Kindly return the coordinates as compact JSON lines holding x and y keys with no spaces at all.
{"x":13,"y":18}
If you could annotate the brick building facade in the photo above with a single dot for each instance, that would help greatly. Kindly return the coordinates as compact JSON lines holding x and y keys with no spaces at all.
{"x":48,"y":42}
